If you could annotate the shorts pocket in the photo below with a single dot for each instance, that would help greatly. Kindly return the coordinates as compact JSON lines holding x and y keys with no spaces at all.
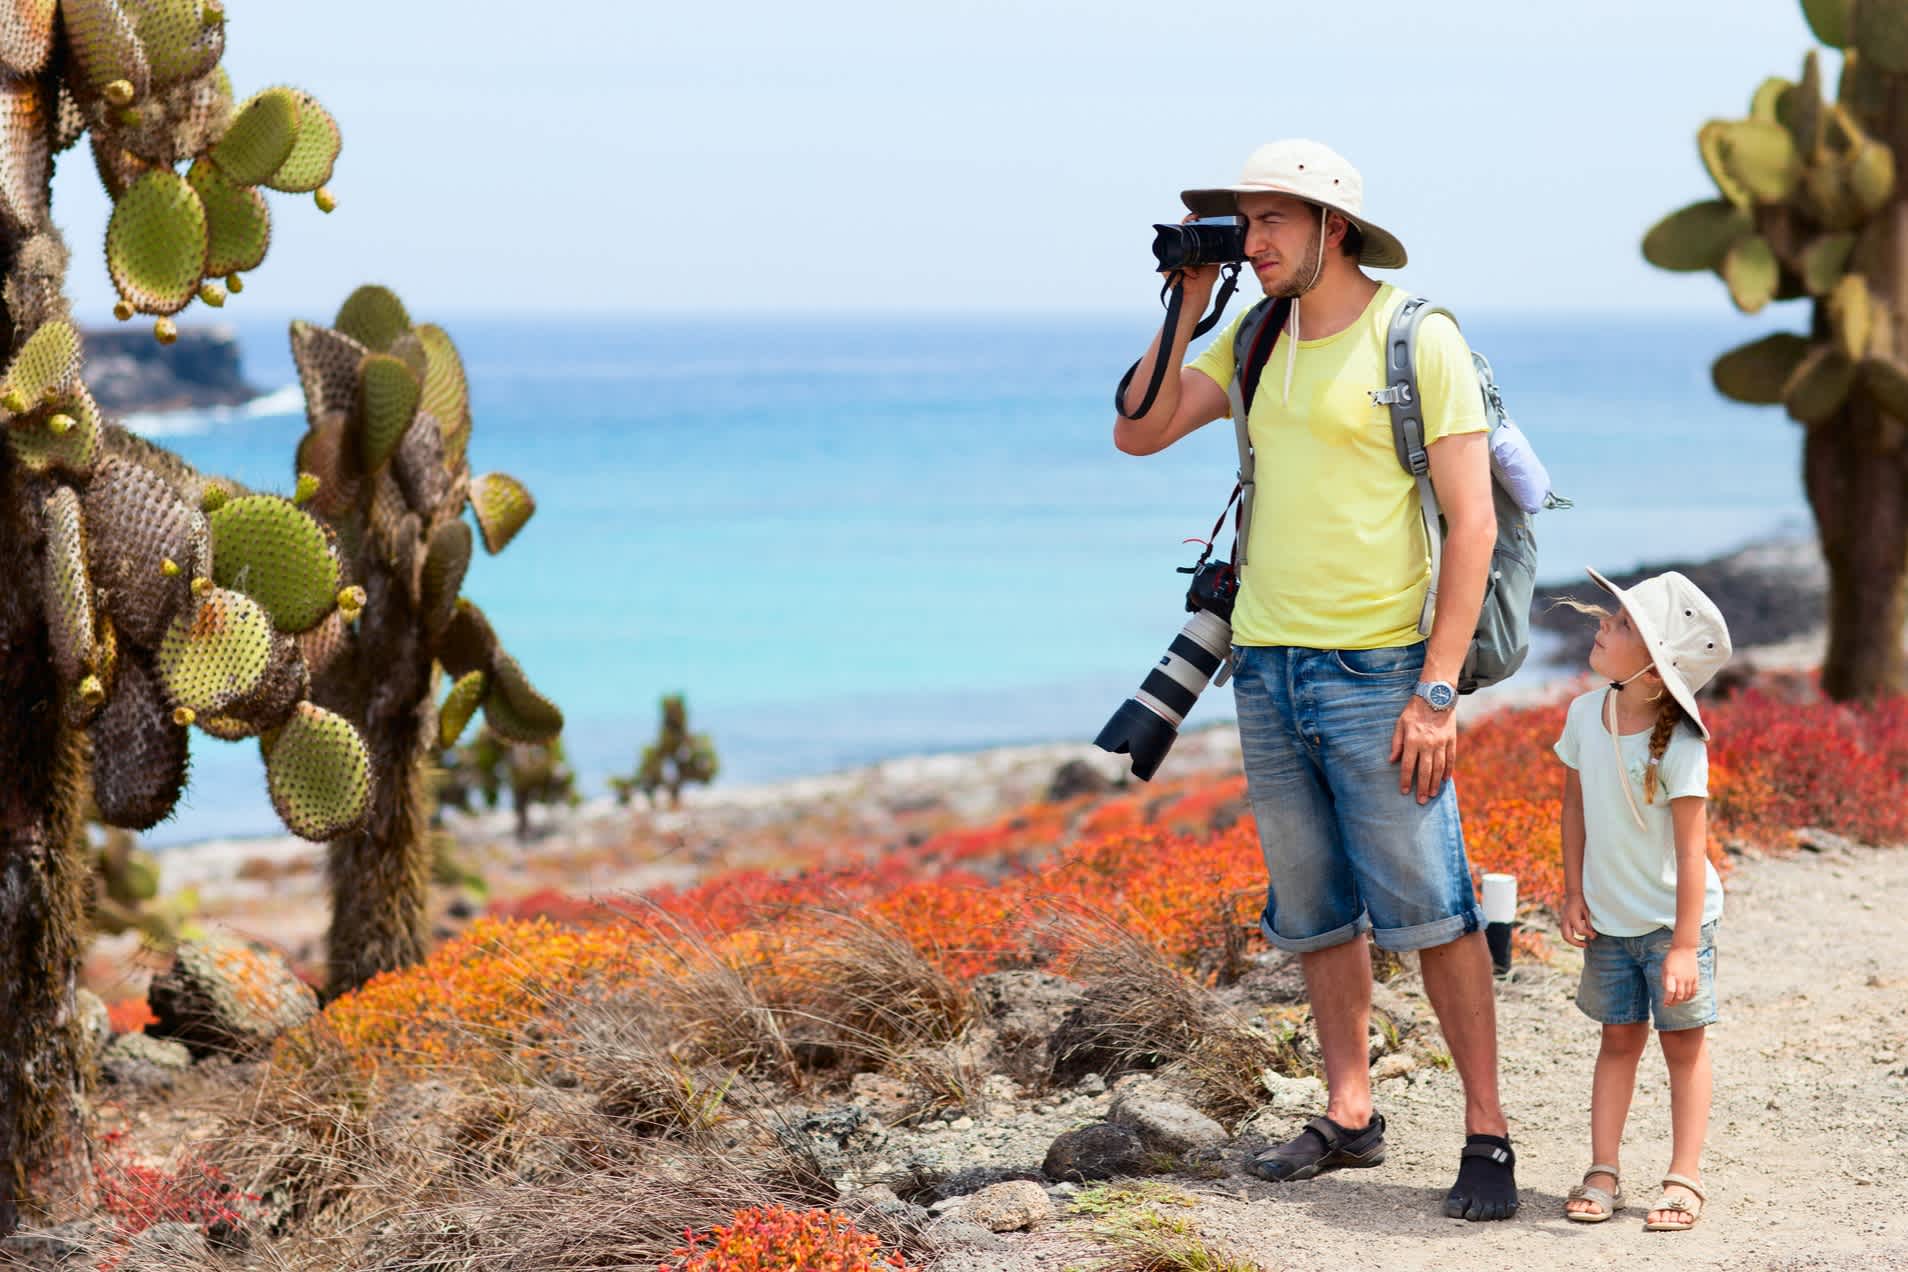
{"x":1380,"y":664}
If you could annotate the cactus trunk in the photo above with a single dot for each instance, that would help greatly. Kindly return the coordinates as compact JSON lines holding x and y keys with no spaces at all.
{"x":44,"y":1068}
{"x":380,"y":876}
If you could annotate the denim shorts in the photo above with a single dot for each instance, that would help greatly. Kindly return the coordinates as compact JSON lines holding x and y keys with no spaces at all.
{"x":1623,"y":981}
{"x":1345,"y":851}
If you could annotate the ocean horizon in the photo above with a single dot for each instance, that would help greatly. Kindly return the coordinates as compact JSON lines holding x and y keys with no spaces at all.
{"x":847,"y":538}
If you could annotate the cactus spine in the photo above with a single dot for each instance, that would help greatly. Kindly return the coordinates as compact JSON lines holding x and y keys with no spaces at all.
{"x":389,"y":416}
{"x":1814,"y":205}
{"x":113,"y":634}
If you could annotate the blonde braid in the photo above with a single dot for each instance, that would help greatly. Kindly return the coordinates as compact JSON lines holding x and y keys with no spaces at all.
{"x":1667,"y":719}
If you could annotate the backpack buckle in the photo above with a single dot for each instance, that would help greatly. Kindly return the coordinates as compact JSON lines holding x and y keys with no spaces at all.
{"x":1398,"y":394}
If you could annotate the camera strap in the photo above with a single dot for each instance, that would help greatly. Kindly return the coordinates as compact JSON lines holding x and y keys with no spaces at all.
{"x":1172,"y":294}
{"x":1258,"y":333}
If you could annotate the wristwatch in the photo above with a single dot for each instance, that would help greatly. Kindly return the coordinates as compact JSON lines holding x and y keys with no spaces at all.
{"x":1439,"y":694}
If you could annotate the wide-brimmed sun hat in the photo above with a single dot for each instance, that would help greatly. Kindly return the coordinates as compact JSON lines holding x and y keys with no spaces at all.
{"x":1310,"y":171}
{"x":1688,"y":640}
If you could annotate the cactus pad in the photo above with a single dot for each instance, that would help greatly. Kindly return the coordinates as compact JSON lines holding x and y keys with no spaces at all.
{"x":445,"y":563}
{"x":283,"y":685}
{"x":1851,"y":313}
{"x":274,"y":552}
{"x":1752,"y":272}
{"x":1819,"y":385}
{"x":156,"y":243}
{"x":446,"y":391}
{"x":374,"y":317}
{"x":1755,"y":156}
{"x":388,"y":397}
{"x":117,"y":166}
{"x":216,"y":652}
{"x":105,"y":45}
{"x":139,"y":754}
{"x":260,"y":139}
{"x":319,"y":774}
{"x":324,"y":452}
{"x":1756,"y":372}
{"x":468,"y":643}
{"x":42,"y":445}
{"x":514,"y":709}
{"x":328,"y":363}
{"x":1800,"y":108}
{"x":1829,"y":20}
{"x":1824,"y":260}
{"x":47,"y":363}
{"x":134,"y":523}
{"x":1696,"y":237}
{"x":502,"y":505}
{"x":460,"y":704}
{"x":313,"y":154}
{"x":68,"y":586}
{"x":179,"y":39}
{"x":420,"y":467}
{"x":1879,"y":33}
{"x":1886,"y":379}
{"x":25,"y":161}
{"x":1869,"y":175}
{"x":321,"y":646}
{"x":238,"y":222}
{"x":26,"y":34}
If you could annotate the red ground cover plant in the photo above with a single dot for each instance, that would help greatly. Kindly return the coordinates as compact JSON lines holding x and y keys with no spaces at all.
{"x":130,"y":1015}
{"x":138,"y":1196}
{"x":776,"y":1239}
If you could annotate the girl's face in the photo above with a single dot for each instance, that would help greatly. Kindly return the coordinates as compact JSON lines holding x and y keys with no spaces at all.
{"x":1619,"y":652}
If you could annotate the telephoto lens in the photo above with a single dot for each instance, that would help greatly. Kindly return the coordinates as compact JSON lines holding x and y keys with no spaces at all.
{"x":1218,"y":240}
{"x":1146,"y":724}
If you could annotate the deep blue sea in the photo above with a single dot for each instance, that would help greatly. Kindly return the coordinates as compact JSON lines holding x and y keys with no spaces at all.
{"x":852,"y":538}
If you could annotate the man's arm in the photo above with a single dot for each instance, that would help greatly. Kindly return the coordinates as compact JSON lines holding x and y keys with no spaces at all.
{"x":1185,"y":402}
{"x":1424,"y":744}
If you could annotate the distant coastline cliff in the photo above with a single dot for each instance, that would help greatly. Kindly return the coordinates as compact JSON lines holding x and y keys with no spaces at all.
{"x":127,"y":370}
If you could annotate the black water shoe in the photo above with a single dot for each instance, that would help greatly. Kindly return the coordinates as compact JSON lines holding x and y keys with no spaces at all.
{"x":1323,"y":1146}
{"x":1486,"y":1186}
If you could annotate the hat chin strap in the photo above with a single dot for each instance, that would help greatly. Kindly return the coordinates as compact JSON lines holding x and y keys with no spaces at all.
{"x":1616,"y":743}
{"x":1291,"y":346}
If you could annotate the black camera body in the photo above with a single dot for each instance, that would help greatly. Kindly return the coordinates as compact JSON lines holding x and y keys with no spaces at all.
{"x":1215,"y":586}
{"x":1146,"y":724}
{"x":1218,"y":240}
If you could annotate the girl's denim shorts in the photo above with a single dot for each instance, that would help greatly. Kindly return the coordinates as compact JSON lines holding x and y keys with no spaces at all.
{"x":1623,"y":981}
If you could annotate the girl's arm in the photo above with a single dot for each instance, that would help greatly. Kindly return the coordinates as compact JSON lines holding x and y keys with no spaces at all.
{"x":1690,"y":817}
{"x":1575,"y":920}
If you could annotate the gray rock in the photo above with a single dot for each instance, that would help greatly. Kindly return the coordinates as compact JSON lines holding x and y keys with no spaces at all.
{"x":1009,"y":1207}
{"x":1166,"y":1125}
{"x":49,"y":1249}
{"x":1818,"y":839}
{"x":1395,"y":1065}
{"x":135,"y":1060}
{"x":888,"y":1098}
{"x":1394,"y":1007}
{"x":1025,"y":1009}
{"x":93,"y":1016}
{"x":167,"y":1247}
{"x":1274,"y":980}
{"x":227,"y":997}
{"x":1293,"y":1095}
{"x":967,"y":1181}
{"x":1077,"y":777}
{"x":952,"y":1232}
{"x":1100,"y":1151}
{"x":127,"y":370}
{"x":1091,"y":1084}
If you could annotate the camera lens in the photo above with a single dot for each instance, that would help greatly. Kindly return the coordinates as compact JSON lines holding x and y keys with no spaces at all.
{"x":1218,"y":241}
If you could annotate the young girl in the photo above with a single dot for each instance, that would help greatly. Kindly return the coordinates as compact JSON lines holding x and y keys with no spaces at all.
{"x":1640,"y":896}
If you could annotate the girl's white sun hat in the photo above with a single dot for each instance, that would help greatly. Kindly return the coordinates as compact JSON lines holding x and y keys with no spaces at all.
{"x":1688,"y":640}
{"x":1311,"y":171}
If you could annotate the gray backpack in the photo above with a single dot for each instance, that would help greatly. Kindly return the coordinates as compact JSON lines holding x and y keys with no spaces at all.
{"x":1520,"y":487}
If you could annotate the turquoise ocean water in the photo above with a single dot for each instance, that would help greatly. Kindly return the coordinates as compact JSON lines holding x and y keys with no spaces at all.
{"x":852,"y":538}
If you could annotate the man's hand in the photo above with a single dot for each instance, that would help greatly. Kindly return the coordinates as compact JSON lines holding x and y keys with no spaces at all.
{"x":1574,"y":923}
{"x":1424,"y":747}
{"x":1679,"y":975}
{"x":1200,"y":279}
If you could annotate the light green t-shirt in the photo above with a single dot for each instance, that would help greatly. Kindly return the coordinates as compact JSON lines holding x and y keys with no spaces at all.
{"x":1336,"y":557}
{"x":1629,"y":874}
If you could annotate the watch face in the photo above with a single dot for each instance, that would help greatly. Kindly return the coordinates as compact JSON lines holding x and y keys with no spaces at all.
{"x":1440,"y":696}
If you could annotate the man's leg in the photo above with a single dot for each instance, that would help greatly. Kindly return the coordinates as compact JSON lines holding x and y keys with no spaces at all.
{"x":1338,"y":982}
{"x":1457,"y":980}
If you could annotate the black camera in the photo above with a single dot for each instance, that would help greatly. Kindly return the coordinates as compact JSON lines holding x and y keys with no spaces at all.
{"x":1146,"y":724}
{"x":1218,"y":240}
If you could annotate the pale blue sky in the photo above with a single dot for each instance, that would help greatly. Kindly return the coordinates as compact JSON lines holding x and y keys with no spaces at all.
{"x":969,"y":154}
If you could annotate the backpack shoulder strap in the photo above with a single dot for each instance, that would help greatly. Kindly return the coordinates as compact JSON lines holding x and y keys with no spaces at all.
{"x":1252,"y":343}
{"x":1400,"y":394}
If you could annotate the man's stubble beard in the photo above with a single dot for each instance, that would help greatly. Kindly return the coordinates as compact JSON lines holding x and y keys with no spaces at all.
{"x":1302,"y":279}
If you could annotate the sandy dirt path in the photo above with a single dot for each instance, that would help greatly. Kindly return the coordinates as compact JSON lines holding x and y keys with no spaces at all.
{"x":1808,"y":1144}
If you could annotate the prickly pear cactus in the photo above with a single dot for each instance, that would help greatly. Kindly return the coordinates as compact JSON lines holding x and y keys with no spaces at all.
{"x":677,"y":758}
{"x":389,"y":415}
{"x":133,"y":610}
{"x":1813,"y":206}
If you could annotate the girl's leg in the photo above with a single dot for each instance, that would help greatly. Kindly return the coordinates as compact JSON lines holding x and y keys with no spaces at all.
{"x":1610,"y":1092}
{"x":1686,"y":1051}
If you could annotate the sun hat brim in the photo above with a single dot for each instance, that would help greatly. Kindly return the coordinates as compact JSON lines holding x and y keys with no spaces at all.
{"x":1653,"y":640}
{"x":1382,"y":248}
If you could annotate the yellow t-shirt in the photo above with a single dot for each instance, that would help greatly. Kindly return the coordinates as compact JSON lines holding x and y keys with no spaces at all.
{"x":1337,"y":557}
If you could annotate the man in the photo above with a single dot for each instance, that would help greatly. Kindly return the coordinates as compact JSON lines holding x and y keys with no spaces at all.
{"x":1346,"y":712}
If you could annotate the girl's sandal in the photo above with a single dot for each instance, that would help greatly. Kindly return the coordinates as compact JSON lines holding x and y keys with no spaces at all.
{"x":1679,"y":1204}
{"x":1606,"y":1201}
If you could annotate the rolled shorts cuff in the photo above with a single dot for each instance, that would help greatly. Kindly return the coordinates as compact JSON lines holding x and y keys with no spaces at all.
{"x":1427,"y":936}
{"x":1323,"y":941}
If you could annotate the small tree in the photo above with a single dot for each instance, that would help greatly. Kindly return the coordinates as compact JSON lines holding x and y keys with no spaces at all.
{"x":1813,"y":208}
{"x":677,"y":758}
